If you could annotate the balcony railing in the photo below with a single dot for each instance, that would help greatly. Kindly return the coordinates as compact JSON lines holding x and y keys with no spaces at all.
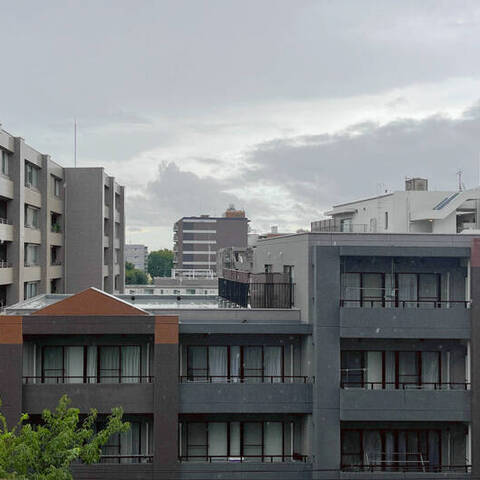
{"x":4,"y":264}
{"x":4,"y":221}
{"x":379,"y":302}
{"x":334,"y":226}
{"x":244,"y":458}
{"x":249,"y":379}
{"x":257,"y":295}
{"x":92,"y":379}
{"x":126,"y":459}
{"x":403,"y":462}
{"x":404,"y":385}
{"x":56,"y":263}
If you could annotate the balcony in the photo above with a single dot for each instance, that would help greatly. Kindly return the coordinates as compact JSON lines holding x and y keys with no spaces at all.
{"x":6,"y":273}
{"x":6,"y":230}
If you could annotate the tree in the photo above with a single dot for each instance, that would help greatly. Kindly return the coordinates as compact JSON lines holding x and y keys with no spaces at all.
{"x":160,"y":263}
{"x":133,"y":276}
{"x":46,"y":451}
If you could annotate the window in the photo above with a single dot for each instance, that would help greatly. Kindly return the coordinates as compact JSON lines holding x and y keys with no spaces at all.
{"x":289,"y":271}
{"x":55,"y":258}
{"x":346,"y":225}
{"x":190,"y":291}
{"x":386,"y":220}
{"x":236,"y":363}
{"x":268,"y":268}
{"x":254,"y":441}
{"x":93,"y":364}
{"x":32,"y":174}
{"x":4,"y":162}
{"x":390,"y":370}
{"x":391,"y":450}
{"x":31,"y":254}
{"x":30,"y":290}
{"x":127,"y":447}
{"x":32,"y":217}
{"x":56,"y":186}
{"x":56,"y":222}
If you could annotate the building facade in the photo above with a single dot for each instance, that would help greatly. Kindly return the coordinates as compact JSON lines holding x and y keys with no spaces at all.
{"x":55,"y":225}
{"x":415,"y":210}
{"x":137,"y":255}
{"x":197,"y":239}
{"x":371,"y":374}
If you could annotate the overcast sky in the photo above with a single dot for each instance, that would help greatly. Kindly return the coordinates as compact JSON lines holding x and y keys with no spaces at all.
{"x":282,"y":107}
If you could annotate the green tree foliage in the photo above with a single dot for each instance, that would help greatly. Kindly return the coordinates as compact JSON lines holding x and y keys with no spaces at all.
{"x":133,"y":276}
{"x":46,"y":451}
{"x":160,"y":263}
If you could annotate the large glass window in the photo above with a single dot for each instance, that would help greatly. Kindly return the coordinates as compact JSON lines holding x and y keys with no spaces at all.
{"x":92,"y":364}
{"x":4,"y":162}
{"x":393,"y":450}
{"x":31,"y":254}
{"x":253,"y":441}
{"x":236,"y":363}
{"x":391,"y":369}
{"x":32,"y":217}
{"x":32,"y":174}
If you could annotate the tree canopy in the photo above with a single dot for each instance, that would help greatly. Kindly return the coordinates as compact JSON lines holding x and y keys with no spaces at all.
{"x":46,"y":451}
{"x":160,"y":263}
{"x":134,"y":276}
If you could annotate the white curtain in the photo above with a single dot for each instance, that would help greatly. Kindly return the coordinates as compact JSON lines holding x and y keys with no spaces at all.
{"x":131,"y":364}
{"x":217,"y":440}
{"x":252,"y":359}
{"x":372,"y":290}
{"x":408,"y":369}
{"x":372,"y":447}
{"x":74,"y":364}
{"x":430,"y":369}
{"x":92,"y":364}
{"x":428,"y":289}
{"x":389,"y":290}
{"x":197,"y":366}
{"x":235,"y":363}
{"x":273,"y":364}
{"x":273,"y":440}
{"x":374,"y":370}
{"x":218,"y":363}
{"x":351,"y":289}
{"x":389,"y":370}
{"x":252,"y":441}
{"x":234,"y":439}
{"x":130,"y":443}
{"x":407,"y":290}
{"x":445,"y":293}
{"x":109,"y":364}
{"x":390,"y":456}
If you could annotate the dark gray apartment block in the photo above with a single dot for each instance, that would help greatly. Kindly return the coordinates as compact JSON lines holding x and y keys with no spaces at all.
{"x":51,"y":227}
{"x":198,"y":239}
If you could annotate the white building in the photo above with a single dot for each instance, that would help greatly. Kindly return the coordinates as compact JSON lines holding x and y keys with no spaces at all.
{"x":415,"y":210}
{"x":138,"y":255}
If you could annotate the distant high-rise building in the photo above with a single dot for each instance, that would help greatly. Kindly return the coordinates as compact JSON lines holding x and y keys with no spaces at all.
{"x":197,"y":239}
{"x":137,"y":255}
{"x":61,"y":229}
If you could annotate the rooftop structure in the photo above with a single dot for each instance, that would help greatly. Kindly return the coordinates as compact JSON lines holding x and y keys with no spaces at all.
{"x":415,"y":210}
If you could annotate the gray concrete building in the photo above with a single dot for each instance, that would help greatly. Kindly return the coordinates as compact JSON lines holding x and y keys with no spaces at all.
{"x":197,"y":239}
{"x":137,"y":255}
{"x":61,"y":229}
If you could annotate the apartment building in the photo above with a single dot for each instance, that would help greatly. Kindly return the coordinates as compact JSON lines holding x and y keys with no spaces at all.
{"x":415,"y":210}
{"x":371,"y":373}
{"x":198,"y":239}
{"x":137,"y":255}
{"x":57,"y":233}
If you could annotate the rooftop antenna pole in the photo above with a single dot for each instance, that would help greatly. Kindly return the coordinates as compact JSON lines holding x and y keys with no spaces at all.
{"x":75,"y":142}
{"x":459,"y":175}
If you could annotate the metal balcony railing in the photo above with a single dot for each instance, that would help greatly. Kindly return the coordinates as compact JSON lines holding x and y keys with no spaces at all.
{"x":257,"y":295}
{"x":4,"y":264}
{"x":244,"y":458}
{"x":345,"y":384}
{"x":379,"y":302}
{"x":126,"y":459}
{"x":104,"y":379}
{"x":4,"y":221}
{"x":56,"y":263}
{"x":245,"y":379}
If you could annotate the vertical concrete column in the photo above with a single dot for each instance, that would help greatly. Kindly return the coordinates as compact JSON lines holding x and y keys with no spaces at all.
{"x":44,"y":226}
{"x":121,"y":257}
{"x":475,"y":355}
{"x":17,"y":214}
{"x":326,"y":390}
{"x":165,"y":415}
{"x":110,"y":285}
{"x":11,"y":367}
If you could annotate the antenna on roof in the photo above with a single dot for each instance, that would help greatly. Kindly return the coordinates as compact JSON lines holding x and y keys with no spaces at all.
{"x":461,"y":185}
{"x":75,"y":142}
